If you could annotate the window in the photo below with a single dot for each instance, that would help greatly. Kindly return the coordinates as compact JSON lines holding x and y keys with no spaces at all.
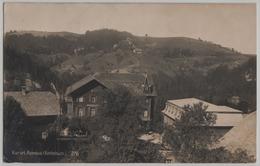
{"x":81,"y":112}
{"x":145,"y":114}
{"x":70,"y":108}
{"x":81,"y":99}
{"x":93,"y":99}
{"x":168,"y":161}
{"x":92,"y":111}
{"x":44,"y":135}
{"x":147,"y":101}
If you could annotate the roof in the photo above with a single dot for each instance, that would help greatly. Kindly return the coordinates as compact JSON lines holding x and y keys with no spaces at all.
{"x":242,"y":136}
{"x":36,"y":103}
{"x":225,"y":116}
{"x":211,"y":107}
{"x":133,"y":82}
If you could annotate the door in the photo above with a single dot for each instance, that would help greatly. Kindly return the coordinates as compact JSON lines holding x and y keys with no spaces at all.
{"x":70,"y":109}
{"x":81,"y":112}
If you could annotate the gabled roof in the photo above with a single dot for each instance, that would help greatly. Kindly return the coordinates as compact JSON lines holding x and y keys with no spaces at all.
{"x":133,"y":82}
{"x":36,"y":103}
{"x":226,"y":116}
{"x":242,"y":136}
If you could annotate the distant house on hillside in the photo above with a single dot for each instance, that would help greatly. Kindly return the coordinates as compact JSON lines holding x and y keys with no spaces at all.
{"x":226,"y":117}
{"x":85,"y":97}
{"x":137,"y":51}
{"x":21,"y":81}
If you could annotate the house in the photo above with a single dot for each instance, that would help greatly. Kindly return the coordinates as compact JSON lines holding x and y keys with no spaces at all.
{"x":242,"y":136}
{"x":86,"y":97}
{"x":137,"y":51}
{"x":234,"y":100}
{"x":168,"y":155}
{"x":226,"y":117}
{"x":40,"y":107}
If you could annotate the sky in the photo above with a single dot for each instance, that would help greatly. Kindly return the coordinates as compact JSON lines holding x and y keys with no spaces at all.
{"x":231,"y":25}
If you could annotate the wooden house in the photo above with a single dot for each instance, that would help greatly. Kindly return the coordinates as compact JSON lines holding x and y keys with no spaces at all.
{"x":85,"y":97}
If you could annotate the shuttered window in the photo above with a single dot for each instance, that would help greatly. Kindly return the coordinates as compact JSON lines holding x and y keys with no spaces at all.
{"x":145,"y":114}
{"x":92,"y":111}
{"x":81,"y":99}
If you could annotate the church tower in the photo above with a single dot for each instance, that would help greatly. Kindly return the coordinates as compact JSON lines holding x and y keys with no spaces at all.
{"x":149,"y":99}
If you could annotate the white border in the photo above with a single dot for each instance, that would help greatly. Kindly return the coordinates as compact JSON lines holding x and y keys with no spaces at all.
{"x":126,"y":1}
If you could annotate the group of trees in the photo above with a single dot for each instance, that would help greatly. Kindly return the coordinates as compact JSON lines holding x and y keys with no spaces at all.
{"x":45,"y":44}
{"x":19,"y":63}
{"x":217,"y":86}
{"x":102,"y":39}
{"x":14,"y":129}
{"x":16,"y":62}
{"x":65,"y":42}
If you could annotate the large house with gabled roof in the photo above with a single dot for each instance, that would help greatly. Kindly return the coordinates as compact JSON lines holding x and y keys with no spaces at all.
{"x":86,"y":97}
{"x":226,"y":117}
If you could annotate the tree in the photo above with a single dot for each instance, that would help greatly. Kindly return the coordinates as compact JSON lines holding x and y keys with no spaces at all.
{"x":14,"y":128}
{"x":120,"y":124}
{"x":191,"y":131}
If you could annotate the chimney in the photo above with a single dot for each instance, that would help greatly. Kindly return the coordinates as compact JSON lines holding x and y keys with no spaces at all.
{"x":28,"y":82}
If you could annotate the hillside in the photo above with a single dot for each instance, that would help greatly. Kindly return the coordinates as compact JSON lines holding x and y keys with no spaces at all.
{"x":180,"y":66}
{"x":110,"y":50}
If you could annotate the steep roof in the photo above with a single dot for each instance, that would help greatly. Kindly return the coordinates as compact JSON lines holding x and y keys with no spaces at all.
{"x":133,"y":82}
{"x":242,"y":136}
{"x":226,"y":116}
{"x":36,"y":103}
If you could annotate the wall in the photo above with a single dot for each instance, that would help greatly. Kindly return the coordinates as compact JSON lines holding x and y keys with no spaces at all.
{"x":221,"y":131}
{"x":89,"y":103}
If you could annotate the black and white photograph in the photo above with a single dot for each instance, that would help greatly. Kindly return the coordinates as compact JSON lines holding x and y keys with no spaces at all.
{"x":129,"y":82}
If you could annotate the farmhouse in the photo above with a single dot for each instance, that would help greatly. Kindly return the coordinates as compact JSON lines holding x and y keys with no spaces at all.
{"x":226,"y":117}
{"x":86,"y":97}
{"x":40,"y":107}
